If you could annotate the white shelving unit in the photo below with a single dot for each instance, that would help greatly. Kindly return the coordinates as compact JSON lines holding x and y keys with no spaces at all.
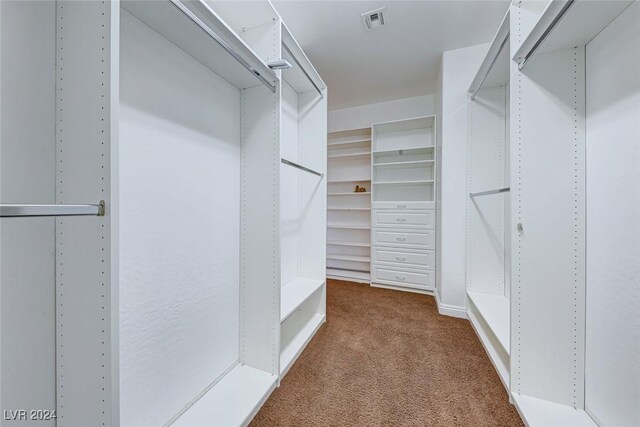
{"x":488,"y":215}
{"x":544,"y":311}
{"x":348,"y":212}
{"x":303,"y":140}
{"x":403,"y":204}
{"x":188,"y":256}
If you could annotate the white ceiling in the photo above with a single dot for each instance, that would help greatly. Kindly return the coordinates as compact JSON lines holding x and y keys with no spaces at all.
{"x":398,"y":61}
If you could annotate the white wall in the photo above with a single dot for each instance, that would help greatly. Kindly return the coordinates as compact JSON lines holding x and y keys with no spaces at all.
{"x":27,"y":245}
{"x":458,"y":69}
{"x":363,"y":116}
{"x":179,"y":226}
{"x":613,"y":223}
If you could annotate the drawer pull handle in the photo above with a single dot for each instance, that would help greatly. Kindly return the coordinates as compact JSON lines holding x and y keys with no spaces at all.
{"x":401,"y":206}
{"x":401,"y":219}
{"x":401,"y":239}
{"x":400,"y":258}
{"x":401,"y":278}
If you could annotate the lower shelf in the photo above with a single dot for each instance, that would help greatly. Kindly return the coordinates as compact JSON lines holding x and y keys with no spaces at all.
{"x":233,"y":401}
{"x":348,"y":275}
{"x":290,"y":353}
{"x":295,"y":293}
{"x":539,"y":412}
{"x":495,"y":310}
{"x":495,"y":349}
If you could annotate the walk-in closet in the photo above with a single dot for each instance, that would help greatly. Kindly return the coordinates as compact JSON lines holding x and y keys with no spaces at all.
{"x":279,"y":213}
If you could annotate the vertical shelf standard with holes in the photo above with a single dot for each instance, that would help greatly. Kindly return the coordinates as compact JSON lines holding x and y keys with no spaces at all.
{"x":348,"y":211}
{"x":403,"y":216}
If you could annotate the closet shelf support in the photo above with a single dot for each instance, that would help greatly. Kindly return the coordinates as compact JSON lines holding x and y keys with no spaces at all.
{"x":489,"y":192}
{"x":553,"y":14}
{"x":238,"y":57}
{"x":497,"y":46}
{"x":284,"y":46}
{"x":295,"y":165}
{"x":20,"y":210}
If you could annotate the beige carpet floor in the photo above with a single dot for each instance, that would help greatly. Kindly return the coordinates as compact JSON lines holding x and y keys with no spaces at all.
{"x":387,"y":358}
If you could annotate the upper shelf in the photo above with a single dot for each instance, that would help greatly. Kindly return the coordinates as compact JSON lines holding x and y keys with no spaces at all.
{"x":403,"y":125}
{"x":494,"y":70}
{"x":568,"y":23}
{"x":302,"y":76}
{"x":195,"y":28}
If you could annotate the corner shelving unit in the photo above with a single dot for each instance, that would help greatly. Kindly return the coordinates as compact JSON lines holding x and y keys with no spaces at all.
{"x":348,"y":212}
{"x":302,"y":202}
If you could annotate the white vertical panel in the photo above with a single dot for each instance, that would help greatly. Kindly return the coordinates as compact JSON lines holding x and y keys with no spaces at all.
{"x":260,"y":230}
{"x":179,"y":226}
{"x":27,"y":175}
{"x":547,"y":181}
{"x":613,"y":223}
{"x":312,"y":188}
{"x":289,"y":180}
{"x":458,"y":70}
{"x":84,"y":33}
{"x":486,"y":157}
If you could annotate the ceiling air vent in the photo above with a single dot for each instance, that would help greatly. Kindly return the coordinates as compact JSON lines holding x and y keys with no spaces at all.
{"x":373,"y":20}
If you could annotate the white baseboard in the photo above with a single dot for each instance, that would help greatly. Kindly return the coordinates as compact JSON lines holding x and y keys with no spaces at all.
{"x":449,"y":310}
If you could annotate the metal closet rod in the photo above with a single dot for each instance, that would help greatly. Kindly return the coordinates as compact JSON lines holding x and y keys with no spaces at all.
{"x":489,"y":192}
{"x":303,"y":70}
{"x":20,"y":210}
{"x":222,"y":43}
{"x":295,"y":165}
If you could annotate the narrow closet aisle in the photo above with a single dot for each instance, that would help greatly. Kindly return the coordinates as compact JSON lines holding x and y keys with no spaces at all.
{"x":317,"y":213}
{"x":366,"y":367}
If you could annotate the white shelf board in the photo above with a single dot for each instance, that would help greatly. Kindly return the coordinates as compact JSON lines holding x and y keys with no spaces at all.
{"x":423,"y":181}
{"x":348,"y":226}
{"x":348,"y":142}
{"x":355,"y":258}
{"x":412,"y":150}
{"x":348,"y":180}
{"x":348,"y":275}
{"x":345,"y":243}
{"x":291,"y":352}
{"x":495,"y":310}
{"x":349,"y":194}
{"x":411,"y":162}
{"x":538,"y":412}
{"x":233,"y":401}
{"x":353,"y":156}
{"x":581,"y":22}
{"x":348,"y":209}
{"x":169,"y":21}
{"x":295,"y":293}
{"x":497,"y":356}
{"x":494,"y":70}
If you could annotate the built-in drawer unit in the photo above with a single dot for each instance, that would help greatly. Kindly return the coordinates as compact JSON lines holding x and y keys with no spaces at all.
{"x":402,"y":258}
{"x":402,"y":277}
{"x":417,"y":239}
{"x":425,"y":219}
{"x":403,"y":205}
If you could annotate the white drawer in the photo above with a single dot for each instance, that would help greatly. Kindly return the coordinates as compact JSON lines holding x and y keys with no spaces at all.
{"x":422,"y":239}
{"x":409,"y":219}
{"x":403,"y":205}
{"x":403,"y":257}
{"x":398,"y":277}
